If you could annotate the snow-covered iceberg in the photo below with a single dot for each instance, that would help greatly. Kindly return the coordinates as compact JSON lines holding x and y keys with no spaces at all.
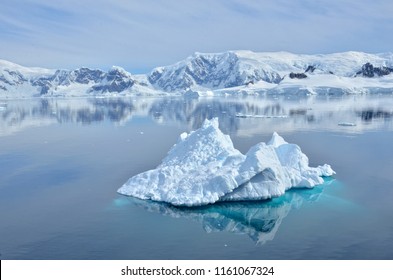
{"x":204,"y":167}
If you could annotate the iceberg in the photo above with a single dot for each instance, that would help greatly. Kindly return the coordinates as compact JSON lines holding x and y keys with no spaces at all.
{"x":203,"y":167}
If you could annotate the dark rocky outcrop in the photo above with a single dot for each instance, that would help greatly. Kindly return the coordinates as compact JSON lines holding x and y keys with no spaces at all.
{"x":12,"y":78}
{"x":4,"y":80}
{"x":116,"y":80}
{"x":310,"y":69}
{"x":44,"y":84}
{"x":86,"y":75}
{"x":369,"y":70}
{"x":297,"y":75}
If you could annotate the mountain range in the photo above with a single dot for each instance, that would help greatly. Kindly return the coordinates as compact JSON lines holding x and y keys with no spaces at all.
{"x":227,"y":73}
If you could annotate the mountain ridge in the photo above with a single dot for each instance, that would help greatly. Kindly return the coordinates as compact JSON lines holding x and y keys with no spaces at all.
{"x":231,"y":72}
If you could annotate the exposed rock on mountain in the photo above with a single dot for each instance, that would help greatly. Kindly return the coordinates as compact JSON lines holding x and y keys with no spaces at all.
{"x":116,"y":80}
{"x":297,"y":75}
{"x":368,"y":70}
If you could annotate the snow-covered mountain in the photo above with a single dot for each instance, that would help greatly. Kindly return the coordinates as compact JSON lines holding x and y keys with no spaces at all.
{"x":223,"y":70}
{"x":17,"y":81}
{"x":246,"y":71}
{"x":221,"y":73}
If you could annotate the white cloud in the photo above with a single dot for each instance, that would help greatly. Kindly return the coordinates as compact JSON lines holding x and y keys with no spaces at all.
{"x":143,"y":34}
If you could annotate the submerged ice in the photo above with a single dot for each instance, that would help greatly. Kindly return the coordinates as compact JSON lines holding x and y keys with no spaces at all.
{"x":260,"y":221}
{"x":203,"y":167}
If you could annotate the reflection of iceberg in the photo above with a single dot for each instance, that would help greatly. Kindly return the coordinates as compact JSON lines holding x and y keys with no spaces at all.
{"x":204,"y":167}
{"x":259,"y":220}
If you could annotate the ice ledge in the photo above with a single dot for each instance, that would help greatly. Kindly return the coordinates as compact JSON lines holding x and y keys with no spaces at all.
{"x":204,"y":167}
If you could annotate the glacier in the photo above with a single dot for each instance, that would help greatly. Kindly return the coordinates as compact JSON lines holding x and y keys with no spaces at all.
{"x":203,"y":167}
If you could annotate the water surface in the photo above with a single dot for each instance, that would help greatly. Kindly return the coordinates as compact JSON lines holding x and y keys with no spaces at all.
{"x":61,"y":162}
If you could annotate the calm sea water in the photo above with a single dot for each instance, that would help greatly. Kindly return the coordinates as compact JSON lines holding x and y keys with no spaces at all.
{"x":61,"y":162}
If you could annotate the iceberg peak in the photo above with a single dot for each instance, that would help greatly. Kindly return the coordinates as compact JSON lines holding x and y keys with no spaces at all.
{"x":203,"y":167}
{"x":276,"y":140}
{"x":212,"y":122}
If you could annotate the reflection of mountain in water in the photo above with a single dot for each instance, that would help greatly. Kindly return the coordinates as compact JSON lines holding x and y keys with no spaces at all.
{"x":258,"y":114}
{"x":20,"y":114}
{"x":194,"y":112}
{"x":259,"y":220}
{"x":370,"y":114}
{"x":113,"y":109}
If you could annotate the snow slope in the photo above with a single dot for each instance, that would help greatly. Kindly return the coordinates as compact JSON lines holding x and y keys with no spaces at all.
{"x":16,"y":80}
{"x":204,"y":167}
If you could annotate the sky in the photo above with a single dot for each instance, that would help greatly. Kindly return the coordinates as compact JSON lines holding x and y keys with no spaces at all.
{"x":140,"y":35}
